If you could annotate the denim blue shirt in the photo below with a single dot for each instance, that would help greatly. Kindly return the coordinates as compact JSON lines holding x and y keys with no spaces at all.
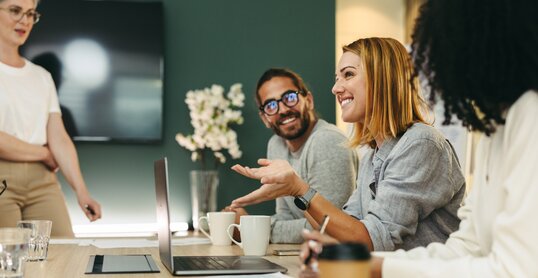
{"x":408,"y":191}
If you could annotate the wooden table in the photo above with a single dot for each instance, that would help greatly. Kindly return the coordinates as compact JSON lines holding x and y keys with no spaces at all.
{"x":70,"y":260}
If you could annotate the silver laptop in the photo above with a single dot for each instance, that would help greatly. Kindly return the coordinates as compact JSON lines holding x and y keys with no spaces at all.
{"x":197,"y":265}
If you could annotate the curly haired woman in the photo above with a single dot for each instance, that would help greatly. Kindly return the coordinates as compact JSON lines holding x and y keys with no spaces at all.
{"x":481,"y":58}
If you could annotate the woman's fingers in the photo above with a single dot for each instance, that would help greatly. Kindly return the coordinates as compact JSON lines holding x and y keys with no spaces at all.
{"x":305,"y":251}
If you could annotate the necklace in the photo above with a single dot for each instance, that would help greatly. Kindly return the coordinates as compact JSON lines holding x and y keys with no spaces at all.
{"x":488,"y":158}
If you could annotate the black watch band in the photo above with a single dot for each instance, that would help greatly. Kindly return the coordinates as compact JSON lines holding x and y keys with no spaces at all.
{"x":303,"y":202}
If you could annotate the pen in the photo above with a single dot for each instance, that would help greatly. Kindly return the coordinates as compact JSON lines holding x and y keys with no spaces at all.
{"x":321,"y":231}
{"x":324,"y":224}
{"x":89,"y":209}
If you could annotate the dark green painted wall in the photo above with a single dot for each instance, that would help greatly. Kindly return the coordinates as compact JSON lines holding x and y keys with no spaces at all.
{"x":213,"y":42}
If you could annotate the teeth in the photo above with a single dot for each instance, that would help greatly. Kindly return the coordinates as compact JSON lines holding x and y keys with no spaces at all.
{"x":288,"y":120}
{"x":346,"y":101}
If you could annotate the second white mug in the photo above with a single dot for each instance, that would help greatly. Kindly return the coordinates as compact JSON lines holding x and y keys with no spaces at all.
{"x":218,"y":222}
{"x":255,"y":232}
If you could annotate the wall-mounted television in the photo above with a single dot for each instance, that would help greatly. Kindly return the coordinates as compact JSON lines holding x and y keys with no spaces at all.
{"x":111,"y":58}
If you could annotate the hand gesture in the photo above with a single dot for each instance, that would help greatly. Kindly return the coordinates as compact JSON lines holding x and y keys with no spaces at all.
{"x":277,"y":177}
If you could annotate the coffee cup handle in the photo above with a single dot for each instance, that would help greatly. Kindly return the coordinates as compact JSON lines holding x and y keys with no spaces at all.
{"x":200,"y":226}
{"x":231,"y":235}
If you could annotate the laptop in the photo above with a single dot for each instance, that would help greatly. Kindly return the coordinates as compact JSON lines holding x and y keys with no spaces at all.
{"x":198,"y":265}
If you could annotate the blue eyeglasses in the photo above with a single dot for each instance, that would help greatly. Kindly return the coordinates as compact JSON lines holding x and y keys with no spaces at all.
{"x":289,"y":98}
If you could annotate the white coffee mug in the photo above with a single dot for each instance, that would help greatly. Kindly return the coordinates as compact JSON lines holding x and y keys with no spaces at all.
{"x":218,"y":222}
{"x":255,"y":231}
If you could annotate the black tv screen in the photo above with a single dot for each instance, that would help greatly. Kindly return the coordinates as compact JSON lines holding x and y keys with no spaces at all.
{"x":110,"y":70}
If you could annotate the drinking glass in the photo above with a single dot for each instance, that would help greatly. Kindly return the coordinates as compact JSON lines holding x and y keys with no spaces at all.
{"x":13,"y":250}
{"x":39,"y":238}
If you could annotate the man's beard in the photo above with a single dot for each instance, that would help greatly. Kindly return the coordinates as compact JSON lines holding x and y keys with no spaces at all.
{"x":303,"y":126}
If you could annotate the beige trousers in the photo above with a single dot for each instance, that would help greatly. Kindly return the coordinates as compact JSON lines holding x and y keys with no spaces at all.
{"x":33,"y":193}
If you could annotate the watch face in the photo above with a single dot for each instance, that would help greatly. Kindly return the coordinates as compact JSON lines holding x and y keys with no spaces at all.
{"x":300,"y":203}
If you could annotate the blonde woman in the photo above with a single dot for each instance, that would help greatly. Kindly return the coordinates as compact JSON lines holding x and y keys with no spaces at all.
{"x":409,"y":185}
{"x":33,"y":140}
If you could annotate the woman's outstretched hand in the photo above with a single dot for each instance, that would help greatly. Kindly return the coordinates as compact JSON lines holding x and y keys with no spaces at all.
{"x":277,"y":177}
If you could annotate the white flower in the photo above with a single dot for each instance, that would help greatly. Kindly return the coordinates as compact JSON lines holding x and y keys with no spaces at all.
{"x":185,"y":142}
{"x":195,"y":156}
{"x":212,"y":114}
{"x":220,"y":157}
{"x":236,"y":95}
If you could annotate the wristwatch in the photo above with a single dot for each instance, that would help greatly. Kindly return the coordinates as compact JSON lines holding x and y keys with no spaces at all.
{"x":303,"y":202}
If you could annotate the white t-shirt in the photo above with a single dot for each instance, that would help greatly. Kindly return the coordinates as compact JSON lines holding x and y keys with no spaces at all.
{"x":498,"y":233}
{"x":27,"y":96}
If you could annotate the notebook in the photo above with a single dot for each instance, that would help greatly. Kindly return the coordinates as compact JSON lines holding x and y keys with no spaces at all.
{"x":197,"y":265}
{"x":114,"y":264}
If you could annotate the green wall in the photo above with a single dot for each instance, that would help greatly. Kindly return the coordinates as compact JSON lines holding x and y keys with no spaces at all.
{"x":212,"y":42}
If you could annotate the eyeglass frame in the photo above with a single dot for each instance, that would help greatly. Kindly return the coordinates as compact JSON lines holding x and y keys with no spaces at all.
{"x":281,"y":99}
{"x":34,"y":19}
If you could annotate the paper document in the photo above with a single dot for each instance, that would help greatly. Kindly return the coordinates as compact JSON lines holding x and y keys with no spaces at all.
{"x":123,"y":243}
{"x":77,"y":241}
{"x":190,"y":240}
{"x":129,"y":242}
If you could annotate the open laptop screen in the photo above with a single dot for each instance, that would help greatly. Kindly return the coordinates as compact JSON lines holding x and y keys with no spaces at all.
{"x":163,"y":214}
{"x":197,"y":265}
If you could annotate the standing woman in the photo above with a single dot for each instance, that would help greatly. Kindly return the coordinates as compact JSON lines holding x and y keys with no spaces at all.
{"x":410,"y":183}
{"x":33,"y":140}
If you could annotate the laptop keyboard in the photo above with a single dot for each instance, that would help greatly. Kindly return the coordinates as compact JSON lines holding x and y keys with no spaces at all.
{"x":199,"y":263}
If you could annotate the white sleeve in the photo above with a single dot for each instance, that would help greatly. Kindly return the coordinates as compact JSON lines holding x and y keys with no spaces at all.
{"x":514,"y":249}
{"x":54,"y":104}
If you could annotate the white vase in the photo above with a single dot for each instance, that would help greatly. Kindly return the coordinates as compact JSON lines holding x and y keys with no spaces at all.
{"x":204,"y":185}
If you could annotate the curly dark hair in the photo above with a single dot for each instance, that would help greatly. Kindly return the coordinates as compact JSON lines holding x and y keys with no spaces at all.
{"x":479,"y":56}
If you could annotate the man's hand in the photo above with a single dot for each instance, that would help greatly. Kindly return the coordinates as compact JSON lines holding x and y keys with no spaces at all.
{"x":238,"y":213}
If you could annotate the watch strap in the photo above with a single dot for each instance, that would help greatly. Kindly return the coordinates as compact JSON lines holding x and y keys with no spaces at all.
{"x":303,"y":202}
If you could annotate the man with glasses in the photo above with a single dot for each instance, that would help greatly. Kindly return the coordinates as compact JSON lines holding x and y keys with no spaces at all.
{"x":316,"y":150}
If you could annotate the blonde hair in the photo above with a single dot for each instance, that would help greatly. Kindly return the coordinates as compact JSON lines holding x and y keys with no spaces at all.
{"x":36,"y":2}
{"x":393,"y":102}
